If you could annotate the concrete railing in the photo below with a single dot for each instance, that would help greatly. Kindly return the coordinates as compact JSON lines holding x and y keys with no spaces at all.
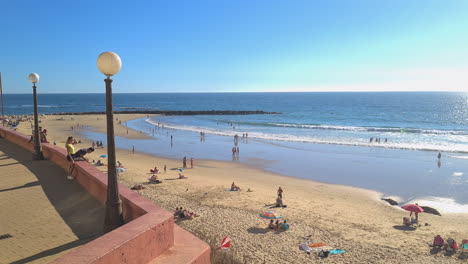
{"x":149,"y":229}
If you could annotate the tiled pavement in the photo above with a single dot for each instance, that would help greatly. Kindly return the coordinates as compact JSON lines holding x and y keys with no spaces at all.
{"x":45,"y":214}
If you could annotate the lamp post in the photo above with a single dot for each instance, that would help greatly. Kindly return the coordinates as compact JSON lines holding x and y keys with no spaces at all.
{"x":34,"y":78}
{"x":109,"y":64}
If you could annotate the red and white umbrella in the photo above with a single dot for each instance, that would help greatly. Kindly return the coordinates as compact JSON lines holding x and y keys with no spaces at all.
{"x":413,"y":208}
{"x":226,"y":243}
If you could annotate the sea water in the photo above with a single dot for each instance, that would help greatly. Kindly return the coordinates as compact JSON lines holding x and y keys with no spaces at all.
{"x":319,"y":136}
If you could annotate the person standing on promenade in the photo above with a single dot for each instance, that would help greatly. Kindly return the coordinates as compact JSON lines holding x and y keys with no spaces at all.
{"x":70,"y":152}
{"x":191,"y":163}
{"x":280,"y":193}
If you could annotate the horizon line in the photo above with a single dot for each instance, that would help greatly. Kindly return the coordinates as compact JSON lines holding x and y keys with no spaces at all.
{"x":430,"y":91}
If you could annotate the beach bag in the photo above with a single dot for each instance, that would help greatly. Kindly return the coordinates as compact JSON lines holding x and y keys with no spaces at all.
{"x":324,"y":253}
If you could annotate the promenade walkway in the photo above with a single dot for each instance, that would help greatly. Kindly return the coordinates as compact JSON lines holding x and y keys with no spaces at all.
{"x":42,"y":214}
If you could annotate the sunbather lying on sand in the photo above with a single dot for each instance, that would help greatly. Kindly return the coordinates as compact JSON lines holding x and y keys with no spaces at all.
{"x":182,"y":213}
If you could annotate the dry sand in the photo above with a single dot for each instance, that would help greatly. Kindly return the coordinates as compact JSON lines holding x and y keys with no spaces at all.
{"x":352,"y":219}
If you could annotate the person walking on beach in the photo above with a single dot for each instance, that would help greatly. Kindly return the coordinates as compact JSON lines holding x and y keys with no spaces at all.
{"x":184,"y":162}
{"x":280,"y":193}
{"x":133,"y":150}
{"x":237,"y":151}
{"x":439,"y":156}
{"x":165,"y":168}
{"x":191,"y":163}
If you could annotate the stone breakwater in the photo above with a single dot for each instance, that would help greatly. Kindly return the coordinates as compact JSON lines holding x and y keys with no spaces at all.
{"x":169,"y":112}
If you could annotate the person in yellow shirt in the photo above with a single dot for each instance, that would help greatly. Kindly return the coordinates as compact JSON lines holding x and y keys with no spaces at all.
{"x":70,"y":151}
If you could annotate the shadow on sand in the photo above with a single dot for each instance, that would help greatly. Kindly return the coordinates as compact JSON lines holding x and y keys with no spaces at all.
{"x":404,"y":228}
{"x":258,"y":230}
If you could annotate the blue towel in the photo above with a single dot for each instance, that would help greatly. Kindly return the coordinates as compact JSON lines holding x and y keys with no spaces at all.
{"x":336,"y":251}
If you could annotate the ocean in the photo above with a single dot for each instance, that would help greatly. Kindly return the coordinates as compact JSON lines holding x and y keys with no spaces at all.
{"x":329,"y":137}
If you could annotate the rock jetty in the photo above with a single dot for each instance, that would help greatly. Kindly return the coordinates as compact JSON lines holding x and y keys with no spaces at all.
{"x":168,"y":112}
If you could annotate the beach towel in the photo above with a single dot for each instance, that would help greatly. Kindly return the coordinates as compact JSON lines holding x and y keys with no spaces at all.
{"x":336,"y":251}
{"x":304,"y":246}
{"x":316,"y":245}
{"x":229,"y":190}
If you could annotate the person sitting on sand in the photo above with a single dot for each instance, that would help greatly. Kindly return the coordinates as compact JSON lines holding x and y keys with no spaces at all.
{"x":284,"y":226}
{"x":277,"y":225}
{"x":189,"y":215}
{"x":43,"y":136}
{"x":181,"y":176}
{"x":279,"y":202}
{"x":271,"y":225}
{"x":234,"y":187}
{"x":180,"y":213}
{"x":99,"y":163}
{"x":154,"y":179}
{"x":176,"y":211}
{"x":119,"y":164}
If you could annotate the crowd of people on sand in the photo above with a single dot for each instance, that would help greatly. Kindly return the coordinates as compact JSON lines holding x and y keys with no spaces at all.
{"x":13,"y":121}
{"x":450,"y":246}
{"x":97,"y":144}
{"x":278,"y":225}
{"x":182,"y":213}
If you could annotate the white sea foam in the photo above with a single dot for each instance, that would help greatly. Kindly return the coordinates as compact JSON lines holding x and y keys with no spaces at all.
{"x":459,"y":157}
{"x":463,"y":148}
{"x":442,"y":204}
{"x":373,"y":129}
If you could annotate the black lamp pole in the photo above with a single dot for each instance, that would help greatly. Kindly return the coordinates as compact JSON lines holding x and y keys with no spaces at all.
{"x":37,"y":142}
{"x":113,"y":218}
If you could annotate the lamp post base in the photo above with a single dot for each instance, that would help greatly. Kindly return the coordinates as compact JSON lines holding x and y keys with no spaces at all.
{"x":113,"y":217}
{"x":36,"y":156}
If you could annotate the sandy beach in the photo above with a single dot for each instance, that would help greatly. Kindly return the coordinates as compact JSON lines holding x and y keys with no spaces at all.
{"x":352,"y":219}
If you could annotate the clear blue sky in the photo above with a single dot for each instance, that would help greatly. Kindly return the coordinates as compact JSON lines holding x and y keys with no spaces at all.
{"x":238,"y":46}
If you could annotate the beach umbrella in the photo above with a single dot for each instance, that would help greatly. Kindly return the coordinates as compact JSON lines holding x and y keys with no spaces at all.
{"x":270,"y":215}
{"x":103,"y":156}
{"x":226,"y":243}
{"x":413,"y":208}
